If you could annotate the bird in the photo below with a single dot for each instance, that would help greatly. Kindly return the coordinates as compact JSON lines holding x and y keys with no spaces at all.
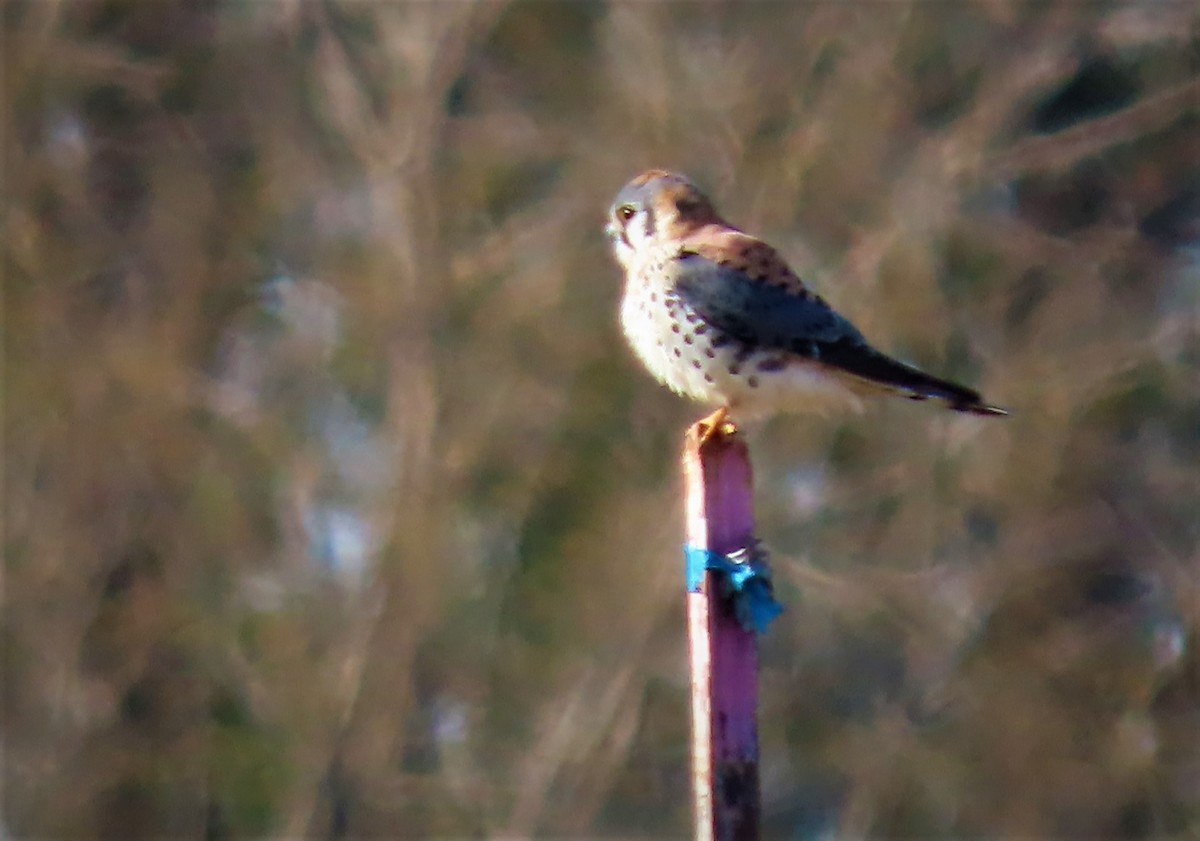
{"x":717,"y":315}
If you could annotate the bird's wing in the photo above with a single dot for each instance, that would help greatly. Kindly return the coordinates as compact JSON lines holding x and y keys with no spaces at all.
{"x":743,"y":287}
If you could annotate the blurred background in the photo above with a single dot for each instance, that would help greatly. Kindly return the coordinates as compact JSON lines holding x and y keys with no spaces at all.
{"x":335,"y":506}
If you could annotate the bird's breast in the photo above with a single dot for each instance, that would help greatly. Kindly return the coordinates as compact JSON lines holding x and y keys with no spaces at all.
{"x":697,"y":359}
{"x":683,"y":351}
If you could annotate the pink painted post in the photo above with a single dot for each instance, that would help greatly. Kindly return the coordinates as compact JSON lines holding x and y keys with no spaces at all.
{"x":724,"y":655}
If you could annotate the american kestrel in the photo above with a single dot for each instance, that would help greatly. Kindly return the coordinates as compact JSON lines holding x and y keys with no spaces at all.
{"x":718,"y":316}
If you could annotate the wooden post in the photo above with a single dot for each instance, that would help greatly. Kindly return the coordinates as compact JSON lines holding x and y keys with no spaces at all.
{"x":724,"y":655}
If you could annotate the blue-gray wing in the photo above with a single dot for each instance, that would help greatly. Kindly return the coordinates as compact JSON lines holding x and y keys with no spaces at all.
{"x":773,"y":316}
{"x":757,"y":313}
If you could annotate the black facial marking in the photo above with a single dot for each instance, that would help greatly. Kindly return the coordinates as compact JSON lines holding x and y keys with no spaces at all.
{"x":649,"y":226}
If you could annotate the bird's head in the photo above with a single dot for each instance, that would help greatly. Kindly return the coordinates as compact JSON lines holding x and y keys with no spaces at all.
{"x":653,"y":210}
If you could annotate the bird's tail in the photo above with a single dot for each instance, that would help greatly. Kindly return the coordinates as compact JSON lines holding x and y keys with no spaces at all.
{"x":878,"y":370}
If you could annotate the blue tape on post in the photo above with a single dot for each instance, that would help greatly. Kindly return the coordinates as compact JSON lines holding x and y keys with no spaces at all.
{"x":747,"y":580}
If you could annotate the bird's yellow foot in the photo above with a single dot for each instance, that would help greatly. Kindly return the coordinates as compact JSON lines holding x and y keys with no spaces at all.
{"x":714,"y":426}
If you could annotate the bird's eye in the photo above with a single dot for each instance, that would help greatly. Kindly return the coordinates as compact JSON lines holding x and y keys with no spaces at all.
{"x":625,"y":212}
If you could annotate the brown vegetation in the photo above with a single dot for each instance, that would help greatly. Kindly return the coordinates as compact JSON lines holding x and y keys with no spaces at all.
{"x":335,"y":507}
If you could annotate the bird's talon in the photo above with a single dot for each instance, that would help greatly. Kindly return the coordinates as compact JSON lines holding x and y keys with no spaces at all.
{"x":716,"y":425}
{"x":709,"y":431}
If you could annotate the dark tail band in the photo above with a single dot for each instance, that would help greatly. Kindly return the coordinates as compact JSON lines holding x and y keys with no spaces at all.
{"x":863,"y":361}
